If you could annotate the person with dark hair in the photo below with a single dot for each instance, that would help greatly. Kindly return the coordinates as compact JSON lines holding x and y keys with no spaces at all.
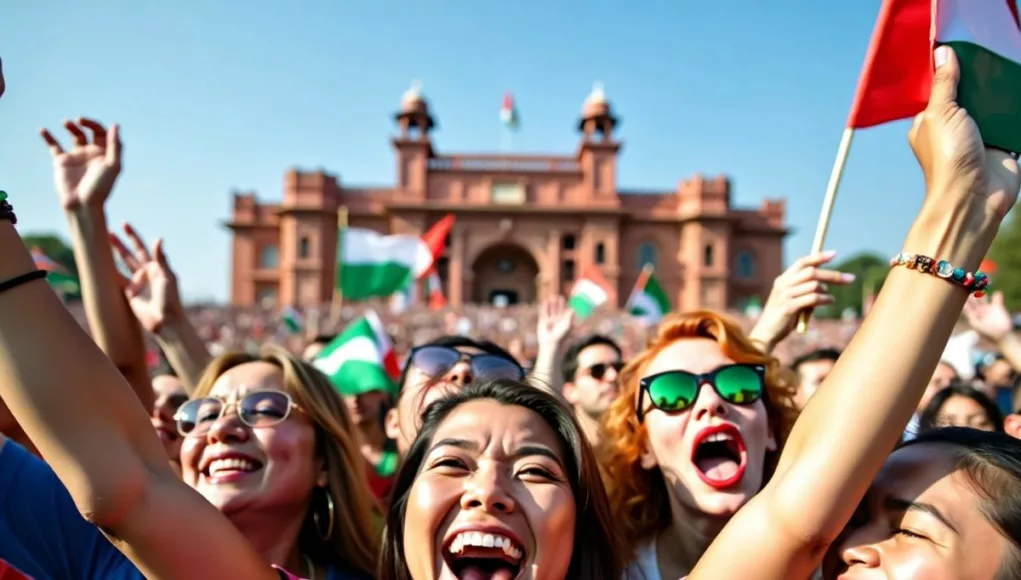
{"x":590,"y":369}
{"x":811,"y":368}
{"x":316,"y":346}
{"x":961,"y":405}
{"x":953,"y":499}
{"x":440,"y":367}
{"x":500,"y":480}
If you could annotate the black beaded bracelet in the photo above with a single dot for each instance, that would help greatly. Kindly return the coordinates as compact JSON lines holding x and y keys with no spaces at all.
{"x":22,"y":279}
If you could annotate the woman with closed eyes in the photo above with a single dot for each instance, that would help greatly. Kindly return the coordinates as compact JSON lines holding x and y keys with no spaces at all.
{"x":500,"y":484}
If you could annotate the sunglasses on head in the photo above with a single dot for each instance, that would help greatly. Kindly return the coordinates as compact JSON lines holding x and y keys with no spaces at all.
{"x":675,"y":391}
{"x":255,"y":409}
{"x":598,"y":371}
{"x":437,"y":361}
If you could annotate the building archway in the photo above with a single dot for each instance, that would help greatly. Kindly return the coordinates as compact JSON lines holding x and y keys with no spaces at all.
{"x":505,"y":274}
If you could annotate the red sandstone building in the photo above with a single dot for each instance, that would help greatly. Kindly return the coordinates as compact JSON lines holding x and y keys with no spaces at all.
{"x":527,"y":226}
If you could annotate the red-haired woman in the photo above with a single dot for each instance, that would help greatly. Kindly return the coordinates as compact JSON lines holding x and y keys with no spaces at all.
{"x":681,"y":459}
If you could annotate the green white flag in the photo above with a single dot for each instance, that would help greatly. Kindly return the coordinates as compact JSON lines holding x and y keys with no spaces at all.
{"x":361,"y":359}
{"x":649,"y":302}
{"x":377,"y":265}
{"x":589,"y":293}
{"x":293,"y":321}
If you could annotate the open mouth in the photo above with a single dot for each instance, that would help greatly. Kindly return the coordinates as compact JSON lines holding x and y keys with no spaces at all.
{"x":474,"y":555}
{"x":166,"y":434}
{"x":719,"y":456}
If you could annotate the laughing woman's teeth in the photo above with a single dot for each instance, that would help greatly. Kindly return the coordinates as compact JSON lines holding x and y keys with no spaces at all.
{"x":478,"y":540}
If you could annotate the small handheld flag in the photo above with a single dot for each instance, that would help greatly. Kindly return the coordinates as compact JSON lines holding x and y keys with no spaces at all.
{"x":509,"y":113}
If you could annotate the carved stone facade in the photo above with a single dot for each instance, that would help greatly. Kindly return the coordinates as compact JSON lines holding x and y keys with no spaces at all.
{"x":527,"y":226}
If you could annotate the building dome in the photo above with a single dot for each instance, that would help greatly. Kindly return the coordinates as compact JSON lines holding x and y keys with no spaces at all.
{"x":596,"y":105}
{"x":412,"y":101}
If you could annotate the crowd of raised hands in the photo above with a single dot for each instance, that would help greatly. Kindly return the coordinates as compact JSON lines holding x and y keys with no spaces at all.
{"x":515,"y":443}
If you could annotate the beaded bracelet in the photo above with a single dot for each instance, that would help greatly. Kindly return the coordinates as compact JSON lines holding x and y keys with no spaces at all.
{"x":975,"y":283}
{"x":6,"y":209}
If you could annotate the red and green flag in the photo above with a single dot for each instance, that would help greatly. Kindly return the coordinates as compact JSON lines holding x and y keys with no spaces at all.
{"x":509,"y":112}
{"x":59,"y":277}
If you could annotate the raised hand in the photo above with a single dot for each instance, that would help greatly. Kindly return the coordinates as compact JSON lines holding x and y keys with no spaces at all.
{"x":152,"y":289}
{"x":959,"y":170}
{"x":555,"y":321}
{"x":805,"y":285}
{"x":85,"y":175}
{"x":989,"y":316}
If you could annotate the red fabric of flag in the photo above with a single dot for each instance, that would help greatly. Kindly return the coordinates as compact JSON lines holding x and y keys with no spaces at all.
{"x":8,"y":572}
{"x":896,"y":78}
{"x":436,"y":238}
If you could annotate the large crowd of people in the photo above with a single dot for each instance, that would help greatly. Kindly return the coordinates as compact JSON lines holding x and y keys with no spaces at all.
{"x":519,"y":442}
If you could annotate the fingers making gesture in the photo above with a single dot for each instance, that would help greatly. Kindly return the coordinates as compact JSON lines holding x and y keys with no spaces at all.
{"x":555,"y":321}
{"x":152,"y":287}
{"x":803,"y":286}
{"x":85,"y":174}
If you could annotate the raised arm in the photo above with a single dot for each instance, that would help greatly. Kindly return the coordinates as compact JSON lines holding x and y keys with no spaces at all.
{"x":90,"y":427}
{"x":554,"y":325}
{"x":154,"y":298}
{"x":855,"y":420}
{"x":84,"y":178}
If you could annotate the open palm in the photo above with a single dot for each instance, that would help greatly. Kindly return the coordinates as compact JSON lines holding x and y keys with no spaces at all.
{"x":152,"y":288}
{"x":85,"y":175}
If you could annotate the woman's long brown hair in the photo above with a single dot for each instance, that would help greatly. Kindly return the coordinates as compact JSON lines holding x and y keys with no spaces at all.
{"x":639,"y":498}
{"x":354,"y":542}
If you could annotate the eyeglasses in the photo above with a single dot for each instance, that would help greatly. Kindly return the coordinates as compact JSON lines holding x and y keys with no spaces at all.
{"x":255,"y":409}
{"x":598,"y":371}
{"x":675,"y":391}
{"x":437,"y":361}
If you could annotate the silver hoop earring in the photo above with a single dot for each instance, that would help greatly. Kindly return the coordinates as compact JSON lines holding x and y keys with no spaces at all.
{"x":331,"y":511}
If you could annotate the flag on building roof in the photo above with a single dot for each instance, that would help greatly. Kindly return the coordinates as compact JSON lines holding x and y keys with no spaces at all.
{"x":59,"y":277}
{"x":293,"y":321}
{"x":509,"y":112}
{"x":361,"y":359}
{"x":590,"y":292}
{"x":648,"y":301}
{"x":896,"y":78}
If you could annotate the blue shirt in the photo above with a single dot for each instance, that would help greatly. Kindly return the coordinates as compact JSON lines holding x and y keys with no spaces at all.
{"x":43,"y":535}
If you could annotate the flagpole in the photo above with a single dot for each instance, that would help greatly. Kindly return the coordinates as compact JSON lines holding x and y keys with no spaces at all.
{"x":336,"y":308}
{"x":827,"y":208}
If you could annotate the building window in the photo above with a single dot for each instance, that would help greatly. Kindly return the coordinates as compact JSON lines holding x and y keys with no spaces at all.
{"x":569,"y":270}
{"x":568,"y":242}
{"x":600,"y":253}
{"x":648,"y":255}
{"x":267,"y":296}
{"x":744,"y":265}
{"x":269,"y":258}
{"x":443,"y":267}
{"x":505,"y":266}
{"x":508,"y":193}
{"x":707,"y":255}
{"x":304,"y":247}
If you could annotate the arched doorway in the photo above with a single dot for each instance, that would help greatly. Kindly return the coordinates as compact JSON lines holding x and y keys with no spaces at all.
{"x":505,"y":274}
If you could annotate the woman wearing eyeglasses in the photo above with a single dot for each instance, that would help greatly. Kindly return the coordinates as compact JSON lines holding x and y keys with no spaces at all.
{"x":693,"y":436}
{"x":265,"y":440}
{"x":437,"y":368}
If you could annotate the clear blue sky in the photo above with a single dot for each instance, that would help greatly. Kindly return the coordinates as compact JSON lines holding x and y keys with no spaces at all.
{"x":218,"y":95}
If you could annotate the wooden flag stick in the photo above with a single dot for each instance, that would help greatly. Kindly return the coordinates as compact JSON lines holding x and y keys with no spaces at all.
{"x":827,"y":208}
{"x":337,"y":307}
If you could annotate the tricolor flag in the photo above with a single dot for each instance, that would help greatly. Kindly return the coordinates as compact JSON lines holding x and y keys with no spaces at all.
{"x":509,"y":112}
{"x":293,"y":321}
{"x":361,"y":359}
{"x":59,"y":277}
{"x":437,"y":301}
{"x":986,"y":37}
{"x":590,"y":292}
{"x":648,"y":301}
{"x":377,"y":265}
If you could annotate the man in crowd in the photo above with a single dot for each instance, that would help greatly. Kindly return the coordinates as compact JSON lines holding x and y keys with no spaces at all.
{"x":590,"y":370}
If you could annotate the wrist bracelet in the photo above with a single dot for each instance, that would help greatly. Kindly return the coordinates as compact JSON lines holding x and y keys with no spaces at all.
{"x":975,"y":283}
{"x":22,"y":279}
{"x":6,"y":209}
